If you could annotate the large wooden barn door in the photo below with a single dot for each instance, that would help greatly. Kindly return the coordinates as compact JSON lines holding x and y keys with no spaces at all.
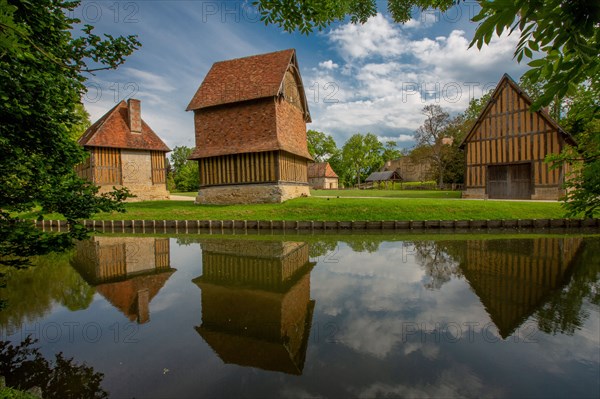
{"x":509,"y":181}
{"x":520,"y":181}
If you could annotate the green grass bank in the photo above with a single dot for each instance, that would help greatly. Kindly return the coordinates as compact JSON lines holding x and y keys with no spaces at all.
{"x":339,"y":209}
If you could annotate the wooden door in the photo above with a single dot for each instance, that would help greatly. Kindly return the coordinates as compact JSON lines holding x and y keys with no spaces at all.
{"x":497,"y":184}
{"x":509,"y":181}
{"x":520,"y":181}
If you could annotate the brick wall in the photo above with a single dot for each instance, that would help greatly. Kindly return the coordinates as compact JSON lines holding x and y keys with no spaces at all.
{"x":291,"y":129}
{"x":236,"y":128}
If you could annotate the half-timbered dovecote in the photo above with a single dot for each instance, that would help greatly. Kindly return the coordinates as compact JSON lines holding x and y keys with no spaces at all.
{"x":250,"y":118}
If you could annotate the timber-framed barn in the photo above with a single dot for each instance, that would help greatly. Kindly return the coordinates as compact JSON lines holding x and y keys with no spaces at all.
{"x":506,"y":147}
{"x":250,"y":118}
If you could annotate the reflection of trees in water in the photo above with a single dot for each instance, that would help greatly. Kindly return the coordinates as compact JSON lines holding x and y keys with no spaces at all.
{"x":564,"y":312}
{"x":24,"y":367}
{"x":364,"y":245}
{"x":322,"y":248}
{"x":439,"y":259}
{"x":31,"y":292}
{"x":183,"y":240}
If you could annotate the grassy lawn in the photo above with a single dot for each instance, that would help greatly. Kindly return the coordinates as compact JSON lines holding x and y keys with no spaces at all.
{"x":387,"y":193}
{"x":340,"y":209}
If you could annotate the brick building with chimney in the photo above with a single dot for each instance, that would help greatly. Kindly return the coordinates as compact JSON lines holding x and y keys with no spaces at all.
{"x":250,"y":118}
{"x":125,"y":152}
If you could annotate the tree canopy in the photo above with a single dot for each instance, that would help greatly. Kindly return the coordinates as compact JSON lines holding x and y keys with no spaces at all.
{"x":431,"y":135}
{"x":321,"y":146}
{"x":185,"y":172}
{"x":43,"y":67}
{"x":361,"y":155}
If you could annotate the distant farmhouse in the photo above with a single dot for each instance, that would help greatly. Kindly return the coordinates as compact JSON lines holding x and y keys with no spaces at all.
{"x":409,"y":169}
{"x":506,"y":147}
{"x":125,"y":152}
{"x":383,"y":178}
{"x":322,"y":177}
{"x":250,"y":118}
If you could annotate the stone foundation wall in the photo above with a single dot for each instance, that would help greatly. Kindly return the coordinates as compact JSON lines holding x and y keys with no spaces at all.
{"x":539,"y":193}
{"x":142,"y":192}
{"x":474,"y":193}
{"x":251,"y":193}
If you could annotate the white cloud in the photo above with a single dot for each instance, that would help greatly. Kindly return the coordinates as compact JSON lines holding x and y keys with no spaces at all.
{"x":401,"y":138}
{"x":378,"y":36}
{"x":458,"y":382}
{"x":415,"y":23}
{"x":148,"y":80}
{"x":329,"y":64}
{"x":388,"y":76}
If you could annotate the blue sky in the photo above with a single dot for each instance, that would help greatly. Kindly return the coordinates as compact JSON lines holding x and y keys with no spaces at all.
{"x":372,"y":78}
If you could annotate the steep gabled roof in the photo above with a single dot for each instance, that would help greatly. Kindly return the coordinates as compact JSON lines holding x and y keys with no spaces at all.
{"x":123,"y":295}
{"x":112,"y":130}
{"x":507,"y":80}
{"x":248,"y":78}
{"x":320,"y":169}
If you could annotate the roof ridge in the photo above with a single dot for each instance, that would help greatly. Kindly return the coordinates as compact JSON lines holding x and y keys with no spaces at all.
{"x":112,"y":130}
{"x":254,"y":55}
{"x":242,"y":79}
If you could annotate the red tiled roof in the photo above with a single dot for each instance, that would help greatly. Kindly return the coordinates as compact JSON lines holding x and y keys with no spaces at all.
{"x":123,"y":294}
{"x":112,"y":130}
{"x":244,"y":79}
{"x":320,"y":169}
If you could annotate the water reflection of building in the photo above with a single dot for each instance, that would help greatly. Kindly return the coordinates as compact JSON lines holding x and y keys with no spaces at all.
{"x":256,"y":306}
{"x":513,"y":278}
{"x":127,"y":271}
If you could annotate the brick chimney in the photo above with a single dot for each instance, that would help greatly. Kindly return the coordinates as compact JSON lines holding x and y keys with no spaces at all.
{"x":134,"y":109}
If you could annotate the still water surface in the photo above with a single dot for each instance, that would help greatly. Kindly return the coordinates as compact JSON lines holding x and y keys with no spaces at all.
{"x":319,"y":316}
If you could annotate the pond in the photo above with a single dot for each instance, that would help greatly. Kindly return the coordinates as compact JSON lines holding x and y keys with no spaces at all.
{"x":489,"y":315}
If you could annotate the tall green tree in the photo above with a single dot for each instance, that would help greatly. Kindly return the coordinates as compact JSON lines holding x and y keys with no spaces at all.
{"x":321,"y":146}
{"x":185,"y":172}
{"x":43,"y":68}
{"x":579,"y":114}
{"x":431,"y":135}
{"x":362,"y":155}
{"x":583,"y":181}
{"x":453,"y":158}
{"x":390,"y":151}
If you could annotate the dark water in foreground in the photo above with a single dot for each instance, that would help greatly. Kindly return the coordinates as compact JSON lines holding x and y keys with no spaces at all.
{"x":318,"y":316}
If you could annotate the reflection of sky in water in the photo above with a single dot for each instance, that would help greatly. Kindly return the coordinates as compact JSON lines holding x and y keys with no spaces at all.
{"x":382,"y":327}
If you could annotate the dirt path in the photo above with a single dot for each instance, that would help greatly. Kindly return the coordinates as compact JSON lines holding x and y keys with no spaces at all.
{"x":181,"y":198}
